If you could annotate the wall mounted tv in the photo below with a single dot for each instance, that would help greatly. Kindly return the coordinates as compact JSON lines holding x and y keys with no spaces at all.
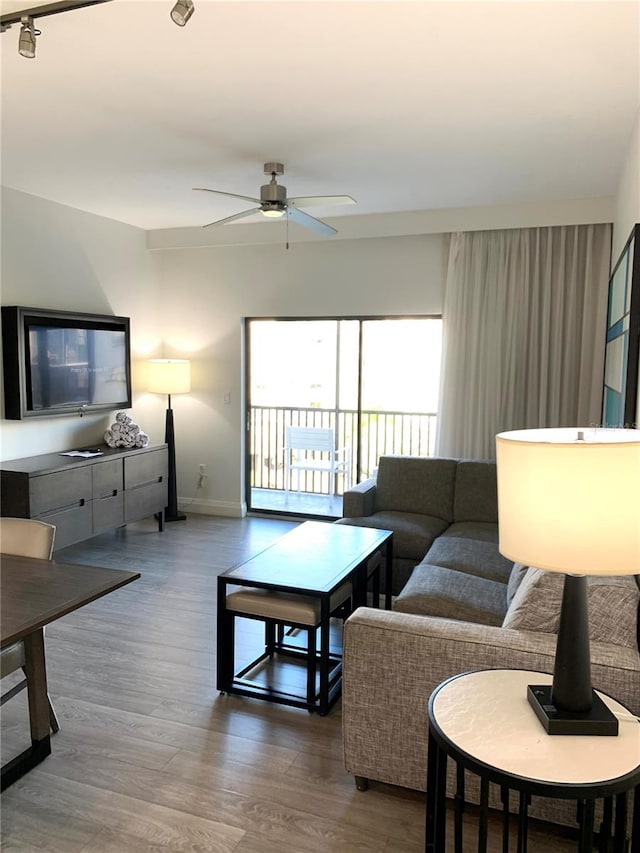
{"x":63,"y":363}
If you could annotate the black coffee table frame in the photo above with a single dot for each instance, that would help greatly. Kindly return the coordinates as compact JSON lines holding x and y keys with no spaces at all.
{"x":328,"y":665}
{"x":301,"y":563}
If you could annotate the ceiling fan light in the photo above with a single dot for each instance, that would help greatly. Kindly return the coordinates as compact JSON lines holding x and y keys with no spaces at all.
{"x":182,"y":11}
{"x":273,"y":212}
{"x":27,"y":40}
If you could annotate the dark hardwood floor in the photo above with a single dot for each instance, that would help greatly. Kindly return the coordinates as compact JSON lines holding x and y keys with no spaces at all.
{"x":150,"y":759}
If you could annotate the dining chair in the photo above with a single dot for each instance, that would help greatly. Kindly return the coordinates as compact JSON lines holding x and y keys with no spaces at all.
{"x":24,"y":537}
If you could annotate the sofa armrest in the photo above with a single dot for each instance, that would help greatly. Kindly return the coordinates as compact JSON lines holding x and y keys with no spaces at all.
{"x":359,"y":500}
{"x":393,"y":661}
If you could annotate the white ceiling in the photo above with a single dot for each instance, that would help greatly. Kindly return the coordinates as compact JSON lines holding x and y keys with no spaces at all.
{"x":407,"y":106}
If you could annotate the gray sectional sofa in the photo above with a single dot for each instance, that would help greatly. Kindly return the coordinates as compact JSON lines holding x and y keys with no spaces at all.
{"x":458,"y":606}
{"x":444,"y":514}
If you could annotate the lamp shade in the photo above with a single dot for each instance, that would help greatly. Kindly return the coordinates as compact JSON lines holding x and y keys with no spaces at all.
{"x":569,"y":499}
{"x":169,"y":375}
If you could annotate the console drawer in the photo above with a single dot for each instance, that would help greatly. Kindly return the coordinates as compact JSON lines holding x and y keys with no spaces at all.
{"x":61,"y":490}
{"x":73,"y":524}
{"x":107,"y":478}
{"x":145,"y":500}
{"x":145,"y":468}
{"x":108,"y":512}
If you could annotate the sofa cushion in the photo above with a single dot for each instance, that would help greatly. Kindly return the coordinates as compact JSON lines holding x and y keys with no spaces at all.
{"x":613,"y":606}
{"x":476,"y":495}
{"x":413,"y":533}
{"x":483,"y":531}
{"x":437,"y":591}
{"x":417,"y":485}
{"x":471,"y":556}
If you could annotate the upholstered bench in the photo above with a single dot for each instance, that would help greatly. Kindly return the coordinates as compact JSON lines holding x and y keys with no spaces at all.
{"x":279,"y":610}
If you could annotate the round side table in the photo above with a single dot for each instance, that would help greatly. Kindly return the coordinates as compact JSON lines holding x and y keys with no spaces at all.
{"x":483,"y":721}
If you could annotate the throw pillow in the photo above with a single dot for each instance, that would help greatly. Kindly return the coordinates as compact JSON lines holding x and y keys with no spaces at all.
{"x":613,"y":606}
{"x":515,"y":579}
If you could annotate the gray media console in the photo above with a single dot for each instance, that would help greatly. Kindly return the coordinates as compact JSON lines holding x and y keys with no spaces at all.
{"x":86,"y":496}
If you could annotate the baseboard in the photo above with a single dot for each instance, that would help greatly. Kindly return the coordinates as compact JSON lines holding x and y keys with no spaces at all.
{"x":204,"y":507}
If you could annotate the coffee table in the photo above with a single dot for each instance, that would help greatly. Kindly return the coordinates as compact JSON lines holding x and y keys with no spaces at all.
{"x":298,"y":581}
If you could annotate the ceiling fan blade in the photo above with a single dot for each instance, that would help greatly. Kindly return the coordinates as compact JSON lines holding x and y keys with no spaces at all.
{"x":303,"y":218}
{"x":311,"y":200}
{"x":235,"y":216}
{"x":222,"y":192}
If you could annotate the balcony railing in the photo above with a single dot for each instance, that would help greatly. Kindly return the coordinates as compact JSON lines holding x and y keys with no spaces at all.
{"x":381,"y":433}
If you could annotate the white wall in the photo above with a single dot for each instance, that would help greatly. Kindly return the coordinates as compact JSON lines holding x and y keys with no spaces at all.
{"x":58,"y":257}
{"x":205,"y":294}
{"x":627,"y":211}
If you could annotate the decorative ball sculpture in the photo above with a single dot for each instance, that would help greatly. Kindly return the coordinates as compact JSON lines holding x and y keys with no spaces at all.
{"x":124,"y":433}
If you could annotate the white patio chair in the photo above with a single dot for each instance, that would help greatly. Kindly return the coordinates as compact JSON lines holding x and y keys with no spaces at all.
{"x":313,"y":449}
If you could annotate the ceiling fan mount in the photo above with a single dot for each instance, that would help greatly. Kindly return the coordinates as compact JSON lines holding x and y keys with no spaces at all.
{"x":274,"y":203}
{"x":273,"y":196}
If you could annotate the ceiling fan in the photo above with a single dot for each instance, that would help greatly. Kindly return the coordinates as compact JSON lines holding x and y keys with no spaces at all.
{"x":273,"y":203}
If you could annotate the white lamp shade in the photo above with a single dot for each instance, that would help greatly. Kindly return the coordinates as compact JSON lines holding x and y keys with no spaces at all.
{"x":570,"y":505}
{"x":169,"y":375}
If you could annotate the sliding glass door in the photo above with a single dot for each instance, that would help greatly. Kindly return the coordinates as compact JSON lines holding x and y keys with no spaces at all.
{"x":368,"y":385}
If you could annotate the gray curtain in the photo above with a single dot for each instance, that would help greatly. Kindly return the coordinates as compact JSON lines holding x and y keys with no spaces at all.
{"x":523,"y":333}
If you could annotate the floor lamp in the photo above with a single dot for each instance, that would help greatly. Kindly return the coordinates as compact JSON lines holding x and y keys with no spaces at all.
{"x":170,"y":376}
{"x":569,"y":502}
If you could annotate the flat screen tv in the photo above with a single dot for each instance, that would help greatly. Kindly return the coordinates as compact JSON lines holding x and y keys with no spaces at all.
{"x":61,"y":363}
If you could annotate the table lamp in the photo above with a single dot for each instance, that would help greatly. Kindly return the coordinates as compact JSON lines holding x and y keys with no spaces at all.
{"x":170,"y":376}
{"x":569,"y":501}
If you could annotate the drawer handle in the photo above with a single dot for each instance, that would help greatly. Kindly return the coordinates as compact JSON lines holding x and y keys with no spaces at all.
{"x":108,"y":495}
{"x":146,"y":483}
{"x":65,"y":508}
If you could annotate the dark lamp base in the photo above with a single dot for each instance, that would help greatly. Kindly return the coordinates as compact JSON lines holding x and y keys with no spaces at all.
{"x":597,"y":721}
{"x":174,"y":516}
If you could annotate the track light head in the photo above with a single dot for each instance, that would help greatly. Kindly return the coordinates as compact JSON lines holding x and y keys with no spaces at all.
{"x":27,"y":41}
{"x":182,"y":11}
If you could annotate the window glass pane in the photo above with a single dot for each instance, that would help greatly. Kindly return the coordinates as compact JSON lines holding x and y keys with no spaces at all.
{"x":293,"y":363}
{"x":401,"y":364}
{"x":348,"y":380}
{"x":400,"y":385}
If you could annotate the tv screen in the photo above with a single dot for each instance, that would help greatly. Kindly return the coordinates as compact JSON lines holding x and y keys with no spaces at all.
{"x":63,"y":363}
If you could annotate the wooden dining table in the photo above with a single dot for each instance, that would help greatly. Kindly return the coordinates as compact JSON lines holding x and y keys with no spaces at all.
{"x":34,"y":593}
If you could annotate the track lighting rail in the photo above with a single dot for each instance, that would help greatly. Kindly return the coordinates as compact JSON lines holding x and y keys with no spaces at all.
{"x":47,"y":9}
{"x":180,"y":14}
